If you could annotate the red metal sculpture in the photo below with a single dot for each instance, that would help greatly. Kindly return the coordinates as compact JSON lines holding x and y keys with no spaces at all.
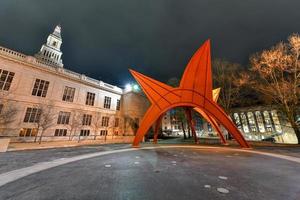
{"x":195,"y":91}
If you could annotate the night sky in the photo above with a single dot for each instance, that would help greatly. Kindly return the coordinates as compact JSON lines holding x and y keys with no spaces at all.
{"x":103,"y":38}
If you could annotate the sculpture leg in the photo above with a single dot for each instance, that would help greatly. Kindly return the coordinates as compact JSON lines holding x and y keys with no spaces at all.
{"x":188,"y":112}
{"x":156,"y":129}
{"x":213,"y":110}
{"x":149,"y":119}
{"x":213,"y":123}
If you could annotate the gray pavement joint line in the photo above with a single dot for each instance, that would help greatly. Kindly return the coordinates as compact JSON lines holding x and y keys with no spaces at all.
{"x":20,"y":173}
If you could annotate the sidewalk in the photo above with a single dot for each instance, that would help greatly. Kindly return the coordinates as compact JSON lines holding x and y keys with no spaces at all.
{"x":18,"y":146}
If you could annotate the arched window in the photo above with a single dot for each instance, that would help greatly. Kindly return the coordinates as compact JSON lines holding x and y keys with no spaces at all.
{"x":54,"y":43}
{"x":276,"y":121}
{"x":252,"y":123}
{"x":244,"y":123}
{"x":237,"y":120}
{"x":268,"y":122}
{"x":260,"y":122}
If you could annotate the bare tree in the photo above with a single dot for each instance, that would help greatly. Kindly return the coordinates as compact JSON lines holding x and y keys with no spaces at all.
{"x":181,"y":117}
{"x":179,"y":112}
{"x":104,"y":125}
{"x":114,"y":124}
{"x":277,"y":77}
{"x":227,"y":75}
{"x":8,"y":112}
{"x":45,"y":119}
{"x":75,"y":123}
{"x":96,"y":123}
{"x":132,"y":123}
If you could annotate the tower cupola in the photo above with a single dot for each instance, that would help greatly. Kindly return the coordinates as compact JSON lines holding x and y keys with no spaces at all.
{"x":50,"y":52}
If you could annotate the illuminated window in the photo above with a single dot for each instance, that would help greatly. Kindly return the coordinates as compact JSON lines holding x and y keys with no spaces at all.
{"x":209,"y":127}
{"x":268,"y":122}
{"x":260,"y":122}
{"x":28,"y":132}
{"x":237,"y":120}
{"x":252,"y":123}
{"x":244,"y":123}
{"x":276,"y":121}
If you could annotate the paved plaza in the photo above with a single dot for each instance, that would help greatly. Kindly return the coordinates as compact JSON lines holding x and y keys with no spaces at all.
{"x":152,"y":172}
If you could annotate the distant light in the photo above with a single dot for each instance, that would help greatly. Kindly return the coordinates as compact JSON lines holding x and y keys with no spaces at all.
{"x":128,"y":87}
{"x":136,"y":87}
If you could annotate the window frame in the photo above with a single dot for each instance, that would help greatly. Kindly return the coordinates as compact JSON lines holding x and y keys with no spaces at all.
{"x":40,"y":88}
{"x":90,"y":99}
{"x":60,"y":132}
{"x":24,"y":132}
{"x":118,"y":106}
{"x":69,"y":93}
{"x":6,"y":79}
{"x":63,"y":117}
{"x":32,"y":115}
{"x":84,"y":132}
{"x":105,"y":121}
{"x":87,"y":119}
{"x":107,"y":102}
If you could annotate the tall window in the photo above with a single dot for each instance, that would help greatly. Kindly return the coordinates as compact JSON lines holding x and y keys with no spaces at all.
{"x":87,"y":120}
{"x":237,"y":120}
{"x":105,"y":121}
{"x":6,"y":78}
{"x":90,"y":99}
{"x":260,"y":122}
{"x":63,"y":117}
{"x":1,"y":108}
{"x":117,"y":122}
{"x":32,"y":115}
{"x":28,"y":132}
{"x":268,"y":121}
{"x":118,"y":104}
{"x":107,"y":102}
{"x":276,"y":121}
{"x":68,"y":94}
{"x":60,"y":132}
{"x":40,"y":88}
{"x":84,"y":132}
{"x":244,"y":123}
{"x":252,"y":123}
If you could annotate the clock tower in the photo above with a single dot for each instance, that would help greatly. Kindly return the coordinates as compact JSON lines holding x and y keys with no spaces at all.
{"x":50,"y":52}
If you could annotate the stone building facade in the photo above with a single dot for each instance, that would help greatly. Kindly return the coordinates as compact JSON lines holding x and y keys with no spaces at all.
{"x":264,"y":123}
{"x":39,"y":97}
